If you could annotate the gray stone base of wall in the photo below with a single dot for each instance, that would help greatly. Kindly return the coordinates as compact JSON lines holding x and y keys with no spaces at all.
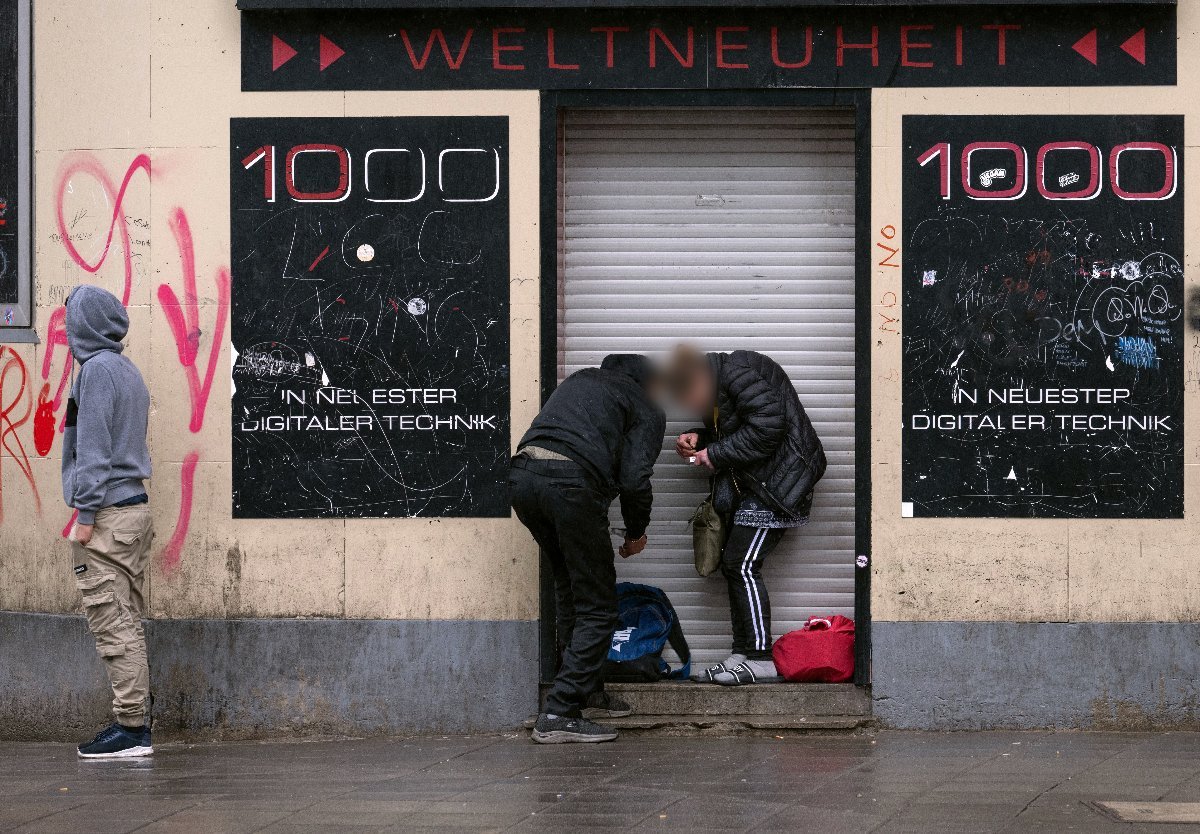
{"x":984,"y":675}
{"x":269,"y":678}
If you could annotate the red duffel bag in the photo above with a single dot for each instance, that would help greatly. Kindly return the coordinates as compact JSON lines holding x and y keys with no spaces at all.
{"x":820,"y":652}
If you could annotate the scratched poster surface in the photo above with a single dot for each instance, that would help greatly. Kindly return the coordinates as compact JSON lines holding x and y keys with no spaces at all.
{"x":1043,"y":316}
{"x":9,"y":171}
{"x":370,"y":317}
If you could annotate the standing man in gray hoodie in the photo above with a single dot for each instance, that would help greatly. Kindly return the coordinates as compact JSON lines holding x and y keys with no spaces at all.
{"x":104,"y":466}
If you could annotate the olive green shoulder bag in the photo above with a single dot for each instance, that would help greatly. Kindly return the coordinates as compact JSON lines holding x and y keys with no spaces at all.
{"x":708,"y":537}
{"x":709,"y":528}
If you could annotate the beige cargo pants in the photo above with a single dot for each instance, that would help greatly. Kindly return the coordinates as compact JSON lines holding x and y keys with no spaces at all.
{"x":110,"y":572}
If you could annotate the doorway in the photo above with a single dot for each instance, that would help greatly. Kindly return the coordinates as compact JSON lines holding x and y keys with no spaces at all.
{"x":728,"y":225}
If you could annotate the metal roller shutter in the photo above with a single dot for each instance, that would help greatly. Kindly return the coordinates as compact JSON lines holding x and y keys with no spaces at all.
{"x":728,"y":228}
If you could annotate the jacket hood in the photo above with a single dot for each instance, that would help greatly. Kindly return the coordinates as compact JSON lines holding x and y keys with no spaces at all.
{"x":633,"y":365}
{"x":96,"y":322}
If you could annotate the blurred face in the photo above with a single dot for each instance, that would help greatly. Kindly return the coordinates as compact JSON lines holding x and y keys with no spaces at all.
{"x":700,"y":394}
{"x":654,"y":389}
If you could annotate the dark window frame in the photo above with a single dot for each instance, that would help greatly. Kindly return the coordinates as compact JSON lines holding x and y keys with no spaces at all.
{"x":21,"y":328}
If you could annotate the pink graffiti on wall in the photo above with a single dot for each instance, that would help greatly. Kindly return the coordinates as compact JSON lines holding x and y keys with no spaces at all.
{"x":88,"y":164}
{"x":182,"y":316}
{"x":74,"y":169}
{"x":185,"y":319}
{"x":14,"y":393}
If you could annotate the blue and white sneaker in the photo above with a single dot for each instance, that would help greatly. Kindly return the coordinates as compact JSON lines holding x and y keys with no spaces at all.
{"x":118,"y":742}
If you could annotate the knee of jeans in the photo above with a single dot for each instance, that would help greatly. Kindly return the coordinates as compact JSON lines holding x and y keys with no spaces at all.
{"x":106,"y":618}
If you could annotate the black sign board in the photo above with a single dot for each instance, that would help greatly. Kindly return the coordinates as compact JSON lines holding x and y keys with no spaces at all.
{"x":1043,"y":316}
{"x":619,"y":4}
{"x":370,"y":317}
{"x":9,"y":159}
{"x":735,"y":47}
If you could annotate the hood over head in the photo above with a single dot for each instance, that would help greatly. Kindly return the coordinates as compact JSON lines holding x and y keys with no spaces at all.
{"x":96,"y":322}
{"x":633,"y":365}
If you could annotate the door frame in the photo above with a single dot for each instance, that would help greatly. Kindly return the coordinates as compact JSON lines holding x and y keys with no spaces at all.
{"x":552,"y":103}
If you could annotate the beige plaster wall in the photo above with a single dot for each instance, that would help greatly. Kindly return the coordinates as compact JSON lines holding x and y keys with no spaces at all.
{"x":119,"y":78}
{"x":116,"y":79}
{"x":1045,"y":570}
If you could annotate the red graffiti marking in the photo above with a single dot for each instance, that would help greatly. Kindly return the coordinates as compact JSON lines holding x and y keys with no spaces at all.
{"x":56,"y":337}
{"x":10,"y":441}
{"x":91,"y":166}
{"x":395,"y":306}
{"x":320,"y":258}
{"x":43,"y":422}
{"x":888,"y":232}
{"x":184,"y":319}
{"x":173,"y":552}
{"x":66,"y":531}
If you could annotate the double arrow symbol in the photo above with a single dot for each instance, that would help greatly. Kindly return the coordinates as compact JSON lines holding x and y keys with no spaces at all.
{"x":282,"y":52}
{"x":1134,"y":47}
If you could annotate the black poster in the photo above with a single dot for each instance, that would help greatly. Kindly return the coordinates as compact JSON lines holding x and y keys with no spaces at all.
{"x":1043,"y":316}
{"x":9,"y":159}
{"x":738,"y":47}
{"x":370,"y":317}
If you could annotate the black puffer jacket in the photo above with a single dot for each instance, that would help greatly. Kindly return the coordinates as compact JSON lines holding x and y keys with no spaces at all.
{"x":764,"y":437}
{"x":603,"y":419}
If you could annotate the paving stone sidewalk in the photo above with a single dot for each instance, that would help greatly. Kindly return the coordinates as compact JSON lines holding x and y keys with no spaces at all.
{"x":881,"y":782}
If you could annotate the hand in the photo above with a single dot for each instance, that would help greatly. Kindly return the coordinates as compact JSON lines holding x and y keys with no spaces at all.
{"x":702,"y":460}
{"x":632,"y":547}
{"x":685,"y":446}
{"x":82,"y":533}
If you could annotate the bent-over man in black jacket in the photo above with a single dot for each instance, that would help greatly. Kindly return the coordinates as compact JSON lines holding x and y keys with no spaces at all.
{"x":596,"y":439}
{"x":765,"y":458}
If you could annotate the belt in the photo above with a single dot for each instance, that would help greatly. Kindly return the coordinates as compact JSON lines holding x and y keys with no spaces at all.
{"x":538,"y":453}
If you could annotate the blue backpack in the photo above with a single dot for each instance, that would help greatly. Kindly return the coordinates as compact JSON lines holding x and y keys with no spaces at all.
{"x":646,"y":624}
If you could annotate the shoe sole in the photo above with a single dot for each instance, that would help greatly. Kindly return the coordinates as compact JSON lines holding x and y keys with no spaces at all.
{"x":758,"y":682}
{"x":592,"y":713}
{"x":131,"y":753}
{"x":563,"y":737}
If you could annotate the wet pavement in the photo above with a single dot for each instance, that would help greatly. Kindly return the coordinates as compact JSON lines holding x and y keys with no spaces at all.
{"x":880,"y":782}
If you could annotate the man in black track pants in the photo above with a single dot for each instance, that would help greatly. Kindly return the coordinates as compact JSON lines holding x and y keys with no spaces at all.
{"x":596,"y":439}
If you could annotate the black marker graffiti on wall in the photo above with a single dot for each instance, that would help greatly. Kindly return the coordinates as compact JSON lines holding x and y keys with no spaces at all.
{"x":1043,"y":316}
{"x":370,"y":317}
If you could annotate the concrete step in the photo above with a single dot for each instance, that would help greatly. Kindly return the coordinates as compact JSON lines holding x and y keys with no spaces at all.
{"x":787,"y":700}
{"x":686,"y":708}
{"x":732,"y":724}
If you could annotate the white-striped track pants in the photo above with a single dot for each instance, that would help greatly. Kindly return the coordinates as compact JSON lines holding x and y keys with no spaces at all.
{"x":749,"y":605}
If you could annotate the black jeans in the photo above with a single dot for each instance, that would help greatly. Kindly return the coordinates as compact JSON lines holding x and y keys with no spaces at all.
{"x":568,"y":517}
{"x":749,"y":605}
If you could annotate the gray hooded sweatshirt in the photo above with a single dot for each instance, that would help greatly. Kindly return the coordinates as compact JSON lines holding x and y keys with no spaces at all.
{"x":105,"y":457}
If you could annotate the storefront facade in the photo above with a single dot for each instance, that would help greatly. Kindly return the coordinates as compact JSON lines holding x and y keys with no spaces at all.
{"x":397,"y":225}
